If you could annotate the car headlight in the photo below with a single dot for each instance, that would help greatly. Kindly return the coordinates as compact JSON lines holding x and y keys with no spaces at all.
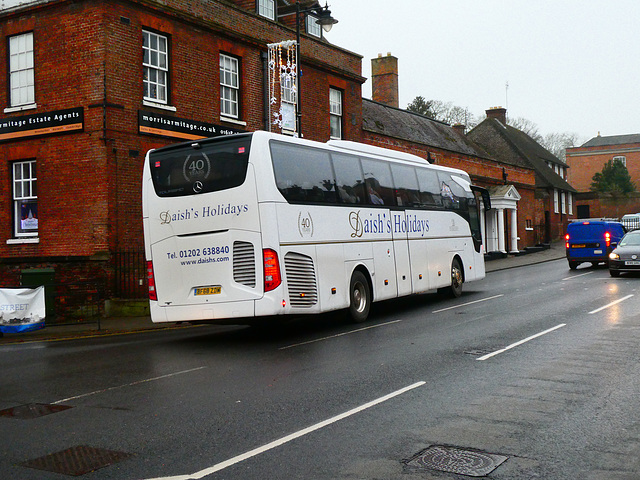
{"x":614,"y":256}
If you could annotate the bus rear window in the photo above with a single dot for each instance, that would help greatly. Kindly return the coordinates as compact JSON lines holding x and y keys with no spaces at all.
{"x":200,"y":167}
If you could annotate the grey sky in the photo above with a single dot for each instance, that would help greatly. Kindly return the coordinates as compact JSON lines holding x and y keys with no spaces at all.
{"x":571,"y":65}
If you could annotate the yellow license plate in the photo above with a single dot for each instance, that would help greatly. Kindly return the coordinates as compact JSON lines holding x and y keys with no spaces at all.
{"x":578,"y":246}
{"x":208,"y":290}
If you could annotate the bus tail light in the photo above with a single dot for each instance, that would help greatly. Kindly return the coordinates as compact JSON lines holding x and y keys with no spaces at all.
{"x":272,"y":278}
{"x":153,"y":295}
{"x":607,"y":238}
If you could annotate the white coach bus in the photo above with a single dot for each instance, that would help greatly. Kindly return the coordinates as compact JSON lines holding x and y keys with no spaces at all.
{"x":260,"y":224}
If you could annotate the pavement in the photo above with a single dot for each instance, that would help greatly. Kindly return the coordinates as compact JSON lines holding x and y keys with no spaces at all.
{"x":110,"y":326}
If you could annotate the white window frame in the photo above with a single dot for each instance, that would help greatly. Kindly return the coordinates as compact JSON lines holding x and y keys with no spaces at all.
{"x":24,"y":189}
{"x":21,"y":70}
{"x":155,"y":64}
{"x":267,"y":9}
{"x":621,"y":158}
{"x":229,"y":86}
{"x":570,"y":201}
{"x":335,"y":113}
{"x":313,"y":27}
{"x":555,"y":200}
{"x":563,"y":202}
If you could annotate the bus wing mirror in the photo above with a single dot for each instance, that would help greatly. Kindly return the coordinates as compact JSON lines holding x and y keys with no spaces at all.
{"x":484,"y":193}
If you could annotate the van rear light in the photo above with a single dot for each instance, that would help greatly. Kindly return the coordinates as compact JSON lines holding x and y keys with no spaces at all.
{"x":153,"y":295}
{"x":566,"y":237}
{"x":272,"y":278}
{"x":607,"y":238}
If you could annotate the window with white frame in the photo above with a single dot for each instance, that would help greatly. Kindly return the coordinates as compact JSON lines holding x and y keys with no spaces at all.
{"x":335,"y":112}
{"x":313,"y":27}
{"x":21,"y":70}
{"x":155,"y":54}
{"x":229,"y":86}
{"x":266,"y":8}
{"x":563,"y":202}
{"x":570,"y":202}
{"x":25,"y":199}
{"x":555,"y":200}
{"x":621,"y":158}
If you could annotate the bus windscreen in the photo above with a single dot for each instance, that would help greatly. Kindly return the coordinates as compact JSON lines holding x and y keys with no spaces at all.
{"x":191,"y":169}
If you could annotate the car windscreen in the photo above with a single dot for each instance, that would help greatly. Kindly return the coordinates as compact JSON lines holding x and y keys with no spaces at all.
{"x":200,"y":167}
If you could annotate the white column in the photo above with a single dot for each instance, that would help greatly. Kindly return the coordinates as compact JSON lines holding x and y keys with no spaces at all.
{"x":500,"y":231}
{"x":514,"y":230}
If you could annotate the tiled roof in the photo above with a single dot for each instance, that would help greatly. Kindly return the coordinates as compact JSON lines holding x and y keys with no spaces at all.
{"x":412,"y":127}
{"x":612,"y":140}
{"x":510,"y":145}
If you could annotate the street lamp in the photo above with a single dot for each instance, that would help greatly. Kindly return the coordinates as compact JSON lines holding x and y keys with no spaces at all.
{"x":326,"y":21}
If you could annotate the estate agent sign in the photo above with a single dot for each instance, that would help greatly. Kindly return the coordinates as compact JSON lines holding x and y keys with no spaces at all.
{"x":49,"y":123}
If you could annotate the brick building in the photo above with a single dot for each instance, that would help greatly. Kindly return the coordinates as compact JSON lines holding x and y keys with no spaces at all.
{"x":506,"y":227}
{"x":588,"y":159}
{"x":553,"y":203}
{"x":88,"y":87}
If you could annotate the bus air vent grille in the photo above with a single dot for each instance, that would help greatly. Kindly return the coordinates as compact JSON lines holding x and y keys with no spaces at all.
{"x":301,"y":279}
{"x":244,"y":264}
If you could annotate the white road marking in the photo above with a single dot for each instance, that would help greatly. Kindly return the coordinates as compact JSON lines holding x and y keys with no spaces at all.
{"x":288,"y":438}
{"x":468,"y":303}
{"x":611,"y":304}
{"x":127,"y":385}
{"x":339,"y":335}
{"x":576,"y":276}
{"x":498,"y":352}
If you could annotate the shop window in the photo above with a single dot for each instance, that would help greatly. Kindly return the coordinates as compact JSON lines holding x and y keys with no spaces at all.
{"x":25,"y":199}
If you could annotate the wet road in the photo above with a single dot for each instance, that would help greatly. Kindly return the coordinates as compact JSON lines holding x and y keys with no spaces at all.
{"x":533,"y":373}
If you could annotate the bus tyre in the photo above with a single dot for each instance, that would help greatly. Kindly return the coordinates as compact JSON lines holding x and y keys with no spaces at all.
{"x":359,"y":297}
{"x":457,"y":279}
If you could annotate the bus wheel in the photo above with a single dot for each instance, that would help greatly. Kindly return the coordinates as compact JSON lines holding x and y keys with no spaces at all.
{"x":359,"y":297}
{"x":457,"y":279}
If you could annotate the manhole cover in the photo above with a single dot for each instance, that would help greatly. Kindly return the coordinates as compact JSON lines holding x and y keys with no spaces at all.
{"x":457,"y":460}
{"x":76,"y":460}
{"x":32,"y":410}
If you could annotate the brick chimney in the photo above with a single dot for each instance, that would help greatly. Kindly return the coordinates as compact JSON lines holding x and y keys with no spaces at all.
{"x":460,"y":128}
{"x":384,"y":80}
{"x":498,"y":113}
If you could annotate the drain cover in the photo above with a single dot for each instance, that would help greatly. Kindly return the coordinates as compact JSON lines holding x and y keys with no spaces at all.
{"x":32,"y":410}
{"x":457,"y":460}
{"x":76,"y":460}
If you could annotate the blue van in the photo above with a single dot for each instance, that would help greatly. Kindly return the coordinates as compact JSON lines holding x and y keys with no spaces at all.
{"x":592,"y":241}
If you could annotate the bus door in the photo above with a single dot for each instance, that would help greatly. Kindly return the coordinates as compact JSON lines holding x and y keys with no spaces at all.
{"x":400,"y":230}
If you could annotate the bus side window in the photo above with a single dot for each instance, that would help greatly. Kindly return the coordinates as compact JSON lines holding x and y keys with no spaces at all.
{"x":406,"y":182}
{"x":349,"y":179}
{"x":453,"y":195}
{"x":429,"y":188}
{"x":303,"y":174}
{"x":379,"y":182}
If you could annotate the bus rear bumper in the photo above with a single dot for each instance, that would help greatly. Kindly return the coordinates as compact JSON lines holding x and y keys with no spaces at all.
{"x":194,"y":313}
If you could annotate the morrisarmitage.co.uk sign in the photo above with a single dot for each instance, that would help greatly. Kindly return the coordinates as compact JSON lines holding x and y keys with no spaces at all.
{"x":151,"y":123}
{"x":21,"y":309}
{"x":38,"y":124}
